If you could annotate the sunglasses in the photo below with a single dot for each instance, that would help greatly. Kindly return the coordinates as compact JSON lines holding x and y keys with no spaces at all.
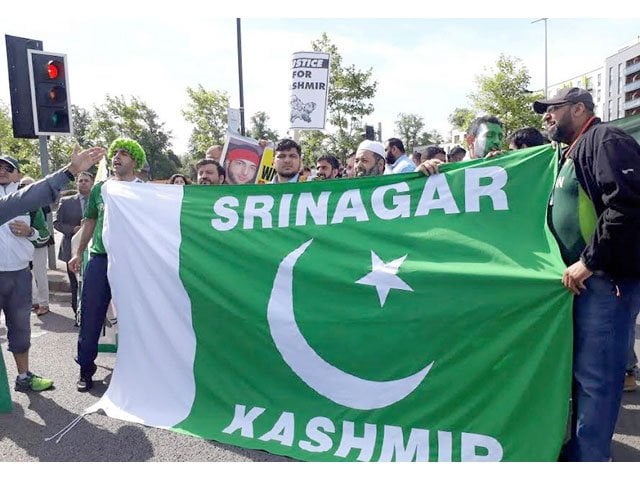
{"x":6,"y":167}
{"x":553,"y":108}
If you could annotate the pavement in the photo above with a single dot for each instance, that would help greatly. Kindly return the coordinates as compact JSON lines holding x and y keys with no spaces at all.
{"x":37,"y":416}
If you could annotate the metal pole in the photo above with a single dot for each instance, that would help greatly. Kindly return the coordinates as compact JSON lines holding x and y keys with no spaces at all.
{"x":546,"y":92}
{"x":240,"y":76}
{"x":546,"y":86}
{"x":44,"y":168}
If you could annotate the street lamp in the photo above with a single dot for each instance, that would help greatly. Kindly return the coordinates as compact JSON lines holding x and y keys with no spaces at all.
{"x":545,"y":54}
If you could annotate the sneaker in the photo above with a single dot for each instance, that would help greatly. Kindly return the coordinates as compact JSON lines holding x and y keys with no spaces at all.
{"x":630,"y":384}
{"x":85,"y":383}
{"x":33,"y":382}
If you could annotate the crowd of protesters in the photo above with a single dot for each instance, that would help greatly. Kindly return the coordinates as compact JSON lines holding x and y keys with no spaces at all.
{"x":594,"y":214}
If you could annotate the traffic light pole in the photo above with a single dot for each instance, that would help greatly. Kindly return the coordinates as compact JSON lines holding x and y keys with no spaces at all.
{"x":44,"y":168}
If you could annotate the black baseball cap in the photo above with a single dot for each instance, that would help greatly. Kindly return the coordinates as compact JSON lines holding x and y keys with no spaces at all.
{"x":11,"y":161}
{"x":565,"y":95}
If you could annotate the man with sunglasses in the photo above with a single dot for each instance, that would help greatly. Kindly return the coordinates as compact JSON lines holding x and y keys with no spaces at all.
{"x":594,"y":214}
{"x":16,"y":251}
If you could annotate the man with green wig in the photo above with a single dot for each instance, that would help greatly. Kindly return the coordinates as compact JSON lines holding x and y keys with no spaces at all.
{"x":127,"y":157}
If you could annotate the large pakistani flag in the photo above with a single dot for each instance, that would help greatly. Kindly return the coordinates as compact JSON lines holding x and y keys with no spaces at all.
{"x":391,"y":318}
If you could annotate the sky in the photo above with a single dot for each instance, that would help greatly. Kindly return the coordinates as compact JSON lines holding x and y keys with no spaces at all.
{"x":424,"y":66}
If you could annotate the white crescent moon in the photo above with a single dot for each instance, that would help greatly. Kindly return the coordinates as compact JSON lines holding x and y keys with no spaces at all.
{"x":329,"y":381}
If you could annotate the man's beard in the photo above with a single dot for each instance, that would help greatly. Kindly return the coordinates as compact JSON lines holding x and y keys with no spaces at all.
{"x":366,"y":173}
{"x":288,"y":175}
{"x":558,"y":133}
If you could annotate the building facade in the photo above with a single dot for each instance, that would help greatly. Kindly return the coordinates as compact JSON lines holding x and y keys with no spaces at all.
{"x":592,"y":81}
{"x":622,"y":85}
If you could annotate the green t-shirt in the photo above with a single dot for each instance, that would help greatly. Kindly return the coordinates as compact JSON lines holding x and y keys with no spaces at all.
{"x":95,"y":211}
{"x":573,"y":216}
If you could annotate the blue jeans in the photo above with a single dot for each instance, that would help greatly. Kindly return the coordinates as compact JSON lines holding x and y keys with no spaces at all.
{"x":96,"y":295}
{"x":632,"y":359}
{"x":602,"y":317}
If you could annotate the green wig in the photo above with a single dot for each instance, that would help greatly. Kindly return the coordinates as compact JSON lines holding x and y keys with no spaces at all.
{"x":132,"y":147}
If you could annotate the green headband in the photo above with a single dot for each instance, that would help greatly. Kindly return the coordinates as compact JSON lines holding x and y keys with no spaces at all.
{"x":132,"y":147}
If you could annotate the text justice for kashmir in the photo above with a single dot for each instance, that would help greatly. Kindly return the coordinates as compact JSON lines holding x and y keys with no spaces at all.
{"x":387,"y":202}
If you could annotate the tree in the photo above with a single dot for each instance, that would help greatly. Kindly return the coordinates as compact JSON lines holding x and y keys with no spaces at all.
{"x":117,"y":117}
{"x":350,"y":90}
{"x":409,"y":126}
{"x":61,"y":147}
{"x":24,"y":150}
{"x":207,"y":111}
{"x":259,"y":128}
{"x":503,"y":92}
{"x":461,"y":118}
{"x":431,"y":137}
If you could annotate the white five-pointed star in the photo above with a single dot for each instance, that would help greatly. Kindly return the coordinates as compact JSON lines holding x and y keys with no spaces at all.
{"x":384,"y":276}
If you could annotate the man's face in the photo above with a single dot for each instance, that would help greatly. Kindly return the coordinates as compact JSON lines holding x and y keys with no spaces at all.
{"x":324,"y":170}
{"x":350,"y":170}
{"x":391,"y":153}
{"x":241,"y":171}
{"x":84,"y":184}
{"x":287,"y":163}
{"x":457,"y":157}
{"x":366,"y":165}
{"x":208,"y":175}
{"x":214,"y":152}
{"x":558,"y":122}
{"x":8,"y":174}
{"x":489,"y":138}
{"x":122,"y":163}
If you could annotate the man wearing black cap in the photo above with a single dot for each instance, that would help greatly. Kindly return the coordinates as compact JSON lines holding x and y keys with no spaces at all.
{"x":46,"y":191}
{"x":16,"y":237}
{"x":595,"y":216}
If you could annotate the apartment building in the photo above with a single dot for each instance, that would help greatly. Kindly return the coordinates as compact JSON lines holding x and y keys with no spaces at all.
{"x":622,"y":84}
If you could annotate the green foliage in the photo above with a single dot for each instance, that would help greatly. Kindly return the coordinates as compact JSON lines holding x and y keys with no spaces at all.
{"x":314,"y":143}
{"x":25,"y":150}
{"x":348,"y":102}
{"x":503,"y":92}
{"x":259,"y":128}
{"x":117,"y":117}
{"x":461,"y":118}
{"x":408,"y":127}
{"x":207,"y":111}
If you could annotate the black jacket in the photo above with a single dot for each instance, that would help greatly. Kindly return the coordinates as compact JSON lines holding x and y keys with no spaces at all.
{"x":607,"y":162}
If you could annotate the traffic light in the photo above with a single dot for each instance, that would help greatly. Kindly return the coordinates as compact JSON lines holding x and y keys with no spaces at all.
{"x":369,"y":133}
{"x":19,"y":89}
{"x":50,"y":93}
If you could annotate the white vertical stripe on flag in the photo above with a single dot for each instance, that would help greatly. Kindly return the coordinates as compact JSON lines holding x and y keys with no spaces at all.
{"x":153,"y":381}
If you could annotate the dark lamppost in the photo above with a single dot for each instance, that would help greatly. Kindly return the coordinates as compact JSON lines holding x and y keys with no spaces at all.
{"x":240,"y":76}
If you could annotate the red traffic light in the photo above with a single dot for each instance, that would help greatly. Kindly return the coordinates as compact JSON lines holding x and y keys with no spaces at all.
{"x":53,"y":70}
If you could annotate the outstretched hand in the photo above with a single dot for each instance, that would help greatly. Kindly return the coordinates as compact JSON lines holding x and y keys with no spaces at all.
{"x":81,"y":161}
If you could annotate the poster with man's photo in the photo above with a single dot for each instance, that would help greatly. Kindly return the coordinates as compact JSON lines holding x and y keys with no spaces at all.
{"x":246,"y":160}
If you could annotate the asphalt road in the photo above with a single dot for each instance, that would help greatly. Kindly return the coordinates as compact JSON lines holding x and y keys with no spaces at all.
{"x":100,"y":438}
